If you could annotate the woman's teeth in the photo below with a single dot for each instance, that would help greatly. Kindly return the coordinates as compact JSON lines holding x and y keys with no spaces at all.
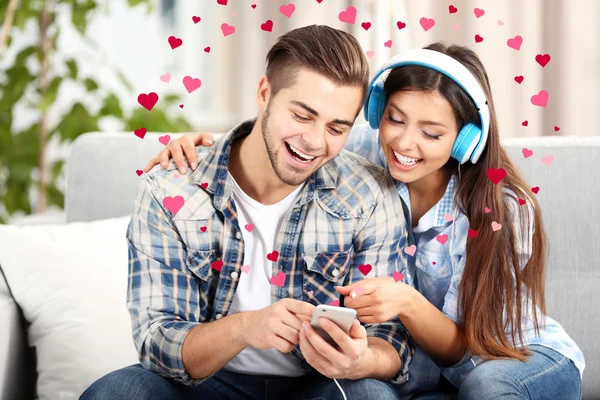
{"x":406,"y":160}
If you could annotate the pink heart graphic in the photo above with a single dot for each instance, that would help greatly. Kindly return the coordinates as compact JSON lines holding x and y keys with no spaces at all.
{"x":249,"y":227}
{"x":479,"y":12}
{"x":515,"y":43}
{"x":246,"y":269}
{"x":452,"y":9}
{"x":473,"y":233}
{"x":279,"y":279}
{"x":398,"y":276}
{"x":487,"y":210}
{"x":148,"y":100}
{"x":478,"y":39}
{"x":540,"y":99}
{"x":334,"y":303}
{"x":267,"y":26}
{"x":273,"y":256}
{"x":448,"y":217}
{"x":526,"y":152}
{"x":191,"y":84}
{"x":207,"y":49}
{"x":427,"y":23}
{"x":496,"y":226}
{"x":227,"y":29}
{"x":388,"y":43}
{"x":196,"y":19}
{"x":542,"y":59}
{"x":366,"y":25}
{"x":173,"y":204}
{"x":165,"y":77}
{"x":203,"y":228}
{"x":401,"y":25}
{"x":310,"y":292}
{"x":370,"y":53}
{"x":348,"y":16}
{"x":496,"y":175}
{"x":141,"y":132}
{"x":287,"y":10}
{"x":442,"y":238}
{"x":217,"y":265}
{"x":365,"y":269}
{"x":548,"y":159}
{"x":175,"y":42}
{"x":456,"y":27}
{"x":410,"y":250}
{"x":500,"y":23}
{"x":535,"y":189}
{"x":164,"y":139}
{"x":519,"y":79}
{"x":139,"y":172}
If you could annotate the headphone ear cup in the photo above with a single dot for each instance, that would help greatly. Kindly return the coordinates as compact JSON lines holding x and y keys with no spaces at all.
{"x":376,"y":105}
{"x":465,"y":143}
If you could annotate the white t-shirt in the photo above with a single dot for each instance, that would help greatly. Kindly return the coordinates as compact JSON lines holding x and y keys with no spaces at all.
{"x":254,"y":286}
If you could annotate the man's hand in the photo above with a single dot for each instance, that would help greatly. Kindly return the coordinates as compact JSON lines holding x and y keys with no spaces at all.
{"x":278,"y":325}
{"x":352,"y":359}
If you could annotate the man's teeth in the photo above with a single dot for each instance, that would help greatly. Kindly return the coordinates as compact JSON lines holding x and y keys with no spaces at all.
{"x":406,"y":160}
{"x":301,"y":154}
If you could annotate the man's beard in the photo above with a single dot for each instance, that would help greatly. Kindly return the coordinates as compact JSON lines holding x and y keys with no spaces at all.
{"x":295,"y":177}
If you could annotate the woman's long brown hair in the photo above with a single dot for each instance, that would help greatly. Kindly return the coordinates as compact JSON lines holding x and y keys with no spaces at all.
{"x":497,"y":291}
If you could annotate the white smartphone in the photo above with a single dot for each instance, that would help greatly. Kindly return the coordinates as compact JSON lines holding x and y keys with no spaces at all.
{"x":341,"y":316}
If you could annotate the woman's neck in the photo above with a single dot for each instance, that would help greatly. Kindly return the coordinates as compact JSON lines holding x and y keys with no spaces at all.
{"x":426,"y":192}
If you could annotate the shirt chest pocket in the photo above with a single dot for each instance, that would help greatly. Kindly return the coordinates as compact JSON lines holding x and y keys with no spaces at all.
{"x":436,"y":265}
{"x":323,"y":272}
{"x":205,"y":266}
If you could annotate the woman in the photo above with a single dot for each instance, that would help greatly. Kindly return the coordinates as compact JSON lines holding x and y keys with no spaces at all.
{"x":474,"y":302}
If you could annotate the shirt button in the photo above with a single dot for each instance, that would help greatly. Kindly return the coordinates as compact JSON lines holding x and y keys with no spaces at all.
{"x":238,"y":235}
{"x":234,"y":275}
{"x":219,"y":316}
{"x":335,"y":272}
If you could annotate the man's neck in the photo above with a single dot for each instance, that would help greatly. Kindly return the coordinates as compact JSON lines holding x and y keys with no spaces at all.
{"x":251,"y":168}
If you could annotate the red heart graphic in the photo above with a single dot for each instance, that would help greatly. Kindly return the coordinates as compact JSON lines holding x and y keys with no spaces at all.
{"x":222,"y":2}
{"x":204,"y":185}
{"x":273,"y":256}
{"x":473,"y":233}
{"x":365,"y":268}
{"x":479,"y":12}
{"x":217,"y":265}
{"x":319,"y":1}
{"x":253,"y":6}
{"x":348,"y":16}
{"x":196,"y":19}
{"x":203,"y":228}
{"x":519,"y":79}
{"x":181,"y":106}
{"x":434,"y":263}
{"x":540,"y":99}
{"x":401,"y":25}
{"x":452,"y":9}
{"x":478,"y":39}
{"x":398,"y":276}
{"x":388,"y":43}
{"x":287,"y":10}
{"x":427,"y":23}
{"x":207,"y":49}
{"x":442,"y":238}
{"x":515,"y":43}
{"x":139,"y":172}
{"x":249,"y":227}
{"x":267,"y":26}
{"x":525,"y":123}
{"x":173,"y":204}
{"x":535,"y":189}
{"x":175,"y":42}
{"x":496,"y":175}
{"x":148,"y":100}
{"x":164,"y":139}
{"x":556,"y":128}
{"x":366,"y":25}
{"x":227,"y":29}
{"x":191,"y":84}
{"x":521,"y":202}
{"x":141,"y":132}
{"x":542,"y":59}
{"x":279,"y":279}
{"x":526,"y":152}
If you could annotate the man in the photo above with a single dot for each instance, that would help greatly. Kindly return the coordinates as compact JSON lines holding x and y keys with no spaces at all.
{"x":228,"y":262}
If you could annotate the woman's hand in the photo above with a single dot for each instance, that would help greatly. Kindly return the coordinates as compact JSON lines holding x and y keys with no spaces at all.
{"x":378,"y":300}
{"x":180,"y":149}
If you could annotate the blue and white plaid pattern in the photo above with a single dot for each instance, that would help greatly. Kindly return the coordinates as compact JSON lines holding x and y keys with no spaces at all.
{"x":184,"y":265}
{"x":439,"y":282}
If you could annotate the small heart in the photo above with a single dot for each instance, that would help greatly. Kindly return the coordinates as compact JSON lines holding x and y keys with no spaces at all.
{"x":556,"y":128}
{"x":204,"y":185}
{"x":398,"y":276}
{"x":522,"y":202}
{"x":526,"y":152}
{"x":473,"y":233}
{"x":273,"y":256}
{"x":181,"y":106}
{"x":203,"y":228}
{"x":478,"y":39}
{"x":249,"y":227}
{"x":479,"y":12}
{"x":525,"y":123}
{"x":515,"y":42}
{"x":173,"y":204}
{"x":442,"y":238}
{"x":434,"y":263}
{"x":540,"y":99}
{"x":487,"y":210}
{"x":287,"y":10}
{"x":359,"y":290}
{"x":410,"y":250}
{"x":334,"y":303}
{"x":456,"y":27}
{"x":164,"y":139}
{"x":141,"y":132}
{"x":448,"y":217}
{"x":310,"y":293}
{"x":496,"y":175}
{"x":319,"y":1}
{"x":348,"y":16}
{"x":139,"y":172}
{"x":427,"y":23}
{"x":267,"y":26}
{"x":217,"y":265}
{"x":519,"y":79}
{"x":535,"y":189}
{"x":176,"y":176}
{"x":191,"y":84}
{"x":222,"y":2}
{"x":542,"y":59}
{"x":207,"y":49}
{"x":279,"y":279}
{"x":246,"y":269}
{"x":196,"y":19}
{"x":365,"y":269}
{"x":175,"y":42}
{"x":388,"y":43}
{"x":496,"y":226}
{"x":234,"y":15}
{"x":370,"y":53}
{"x":548,"y":159}
{"x":165,"y":77}
{"x":500,"y":23}
{"x":452,"y":9}
{"x":227,"y":29}
{"x":366,"y":25}
{"x":148,"y":100}
{"x":401,"y":25}
{"x":253,"y":6}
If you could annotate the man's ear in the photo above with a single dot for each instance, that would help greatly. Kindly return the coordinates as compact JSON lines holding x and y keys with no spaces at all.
{"x":264,"y":93}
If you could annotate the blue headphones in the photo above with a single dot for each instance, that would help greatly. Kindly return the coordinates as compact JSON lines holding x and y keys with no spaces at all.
{"x":471,"y":139}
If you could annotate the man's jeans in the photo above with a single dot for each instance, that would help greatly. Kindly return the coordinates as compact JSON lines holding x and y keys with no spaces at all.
{"x":136,"y":383}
